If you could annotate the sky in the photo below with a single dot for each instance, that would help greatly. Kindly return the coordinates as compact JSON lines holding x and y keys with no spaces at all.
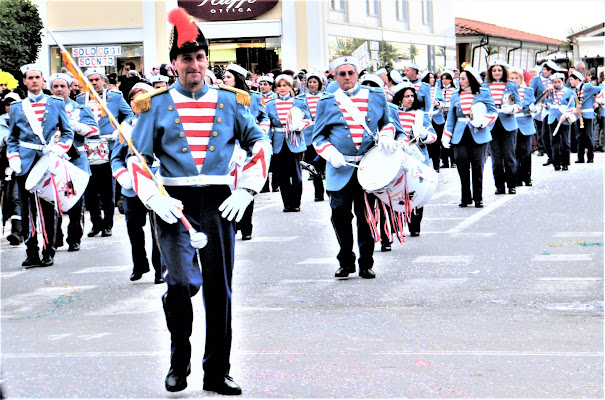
{"x":550,"y":18}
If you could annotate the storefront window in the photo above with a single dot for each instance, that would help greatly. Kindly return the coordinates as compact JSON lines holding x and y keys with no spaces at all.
{"x":256,"y":55}
{"x":115,"y":58}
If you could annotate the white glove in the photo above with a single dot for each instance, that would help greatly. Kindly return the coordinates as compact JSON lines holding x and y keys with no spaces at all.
{"x":420,"y":131}
{"x":15,"y":164}
{"x":77,"y":126}
{"x":533,"y":108}
{"x":125,"y":180}
{"x":446,"y":142}
{"x":235,"y":205}
{"x":337,"y":159}
{"x":115,"y":134}
{"x":166,"y":207}
{"x":126,"y":129}
{"x":387,"y":143}
{"x":507,"y":109}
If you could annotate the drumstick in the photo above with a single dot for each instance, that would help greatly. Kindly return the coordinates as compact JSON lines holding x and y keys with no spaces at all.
{"x":352,"y":165}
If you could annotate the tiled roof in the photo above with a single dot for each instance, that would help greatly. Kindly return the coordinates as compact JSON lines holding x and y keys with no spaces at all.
{"x":469,"y":27}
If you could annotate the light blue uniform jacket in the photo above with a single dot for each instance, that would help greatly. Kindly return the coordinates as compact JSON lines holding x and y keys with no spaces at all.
{"x":509,"y":122}
{"x":456,"y":120}
{"x":590,"y":92}
{"x":555,"y":112}
{"x":525,"y":122}
{"x":85,"y":117}
{"x":438,"y":117}
{"x":538,"y":86}
{"x":276,"y":133}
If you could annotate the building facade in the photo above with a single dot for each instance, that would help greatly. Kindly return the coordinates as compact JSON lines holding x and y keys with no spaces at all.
{"x":589,"y":45}
{"x":259,"y":35}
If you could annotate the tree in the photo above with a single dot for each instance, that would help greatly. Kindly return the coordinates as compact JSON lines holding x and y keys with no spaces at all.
{"x":490,"y":50}
{"x":413,"y":52}
{"x":343,"y":47}
{"x":388,"y":53}
{"x":20,"y":34}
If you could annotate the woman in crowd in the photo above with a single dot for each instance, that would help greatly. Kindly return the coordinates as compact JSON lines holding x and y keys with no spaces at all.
{"x":235,"y":76}
{"x":437,"y":103}
{"x":416,"y":126}
{"x":134,"y":210}
{"x":315,"y":164}
{"x":504,"y":131}
{"x":288,"y":141}
{"x":561,"y":107}
{"x":448,"y":87}
{"x":469,"y":140}
{"x":525,"y":122}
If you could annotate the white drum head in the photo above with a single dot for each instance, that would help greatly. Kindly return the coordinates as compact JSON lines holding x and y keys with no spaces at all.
{"x":37,"y":172}
{"x":378,"y":169}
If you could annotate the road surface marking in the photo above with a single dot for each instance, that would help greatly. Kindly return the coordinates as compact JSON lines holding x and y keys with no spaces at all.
{"x":118,"y":268}
{"x":274,"y":238}
{"x":443,"y":259}
{"x":477,"y":216}
{"x":331,"y":260}
{"x":562,"y":257}
{"x":5,"y":275}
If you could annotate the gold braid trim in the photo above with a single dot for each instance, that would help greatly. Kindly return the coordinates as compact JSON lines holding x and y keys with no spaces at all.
{"x":143,"y":102}
{"x":242,"y":97}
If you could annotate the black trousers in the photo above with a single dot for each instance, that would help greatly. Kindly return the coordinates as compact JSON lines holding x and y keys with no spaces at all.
{"x":75,"y":227}
{"x":434,"y":148}
{"x":136,"y":219}
{"x":523,"y":154}
{"x":100,"y":195}
{"x":504,"y":162}
{"x":29,"y":214}
{"x":341,"y":202}
{"x":585,"y":140}
{"x":560,"y":144}
{"x":290,"y":176}
{"x":539,"y":135}
{"x":245,"y":224}
{"x":320,"y":166}
{"x":415,"y":220}
{"x":469,"y":154}
{"x":547,"y":138}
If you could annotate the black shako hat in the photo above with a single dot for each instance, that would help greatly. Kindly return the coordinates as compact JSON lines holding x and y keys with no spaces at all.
{"x":185,"y":35}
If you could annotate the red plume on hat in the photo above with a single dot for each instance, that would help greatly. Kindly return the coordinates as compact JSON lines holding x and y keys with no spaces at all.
{"x":186,"y":35}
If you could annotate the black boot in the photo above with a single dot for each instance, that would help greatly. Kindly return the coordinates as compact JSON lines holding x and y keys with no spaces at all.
{"x":15,"y":238}
{"x":179,"y":320}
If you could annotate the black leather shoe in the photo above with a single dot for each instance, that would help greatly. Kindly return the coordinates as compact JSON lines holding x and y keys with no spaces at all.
{"x":565,"y":168}
{"x":557,"y":168}
{"x":295,"y":209}
{"x":47,"y":261}
{"x":385,"y":247}
{"x":478,"y":204}
{"x":319,"y":199}
{"x":74,"y":247}
{"x":225,"y":386}
{"x":246,"y":237}
{"x":135,"y":276}
{"x":175,"y":382}
{"x":94,"y":232}
{"x":343,"y":272}
{"x":500,"y":191}
{"x":465,"y":203}
{"x":547,"y":163}
{"x":529,"y":183}
{"x":366,"y":273}
{"x":414,"y":234}
{"x":31,"y":261}
{"x":106,"y":233}
{"x":590,"y":161}
{"x":158,"y":281}
{"x":512,"y":191}
{"x":579,"y":161}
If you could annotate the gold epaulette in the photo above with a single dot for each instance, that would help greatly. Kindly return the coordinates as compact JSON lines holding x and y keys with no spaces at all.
{"x":242,"y":97}
{"x":143,"y":102}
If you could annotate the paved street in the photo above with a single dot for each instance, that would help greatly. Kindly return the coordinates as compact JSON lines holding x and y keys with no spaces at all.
{"x":500,"y":302}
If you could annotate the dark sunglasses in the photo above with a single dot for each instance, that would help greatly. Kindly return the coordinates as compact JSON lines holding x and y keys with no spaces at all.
{"x":344,"y":73}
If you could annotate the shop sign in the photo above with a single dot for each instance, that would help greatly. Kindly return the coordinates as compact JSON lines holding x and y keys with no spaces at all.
{"x":227,"y":10}
{"x":96,"y":61}
{"x":95,"y":51}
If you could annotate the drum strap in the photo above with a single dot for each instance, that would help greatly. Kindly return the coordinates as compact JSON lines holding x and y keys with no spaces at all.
{"x":31,"y":145}
{"x":353,"y":111}
{"x":32,"y":119}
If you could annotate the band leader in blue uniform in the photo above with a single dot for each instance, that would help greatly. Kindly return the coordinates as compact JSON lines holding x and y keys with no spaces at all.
{"x":504,"y":130}
{"x":340,"y":136}
{"x":468,"y":137}
{"x":101,"y":187}
{"x":83,"y":125}
{"x":193,"y":128}
{"x":33,"y":123}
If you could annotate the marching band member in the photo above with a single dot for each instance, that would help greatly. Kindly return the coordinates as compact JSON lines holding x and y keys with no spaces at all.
{"x":540,"y":84}
{"x":101,"y":186}
{"x":192,"y":128}
{"x":265,"y":84}
{"x":83,"y":124}
{"x":448,"y":87}
{"x":386,"y":84}
{"x":416,"y":125}
{"x":315,"y":164}
{"x":504,"y":130}
{"x":469,"y":137}
{"x":32,"y":127}
{"x":340,"y":137}
{"x":288,"y":145}
{"x":561,"y":107}
{"x":423,"y":91}
{"x":134,"y":210}
{"x":235,"y":77}
{"x":159,"y":81}
{"x":586,"y":95}
{"x":526,"y":127}
{"x":438,"y":122}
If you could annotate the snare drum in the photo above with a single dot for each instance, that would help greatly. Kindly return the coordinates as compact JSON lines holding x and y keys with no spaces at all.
{"x":69,"y":181}
{"x":97,"y":151}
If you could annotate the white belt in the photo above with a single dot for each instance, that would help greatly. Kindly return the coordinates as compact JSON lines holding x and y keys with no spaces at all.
{"x":553,"y":107}
{"x":107,"y":137}
{"x":279,"y":129}
{"x":31,"y":145}
{"x":81,"y":148}
{"x":519,"y":115}
{"x":353,"y":158}
{"x":199,"y":180}
{"x":587,"y":110}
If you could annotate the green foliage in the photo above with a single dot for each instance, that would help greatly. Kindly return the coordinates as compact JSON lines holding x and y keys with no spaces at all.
{"x":343,"y":47}
{"x":20,"y":34}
